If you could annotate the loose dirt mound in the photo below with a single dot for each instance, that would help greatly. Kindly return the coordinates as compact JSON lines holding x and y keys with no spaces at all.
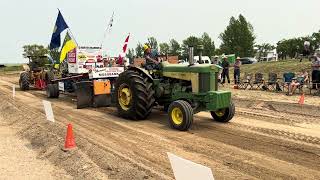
{"x":48,"y":139}
{"x":90,"y":161}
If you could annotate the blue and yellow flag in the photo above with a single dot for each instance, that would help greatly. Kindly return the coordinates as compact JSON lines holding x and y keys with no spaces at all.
{"x":60,"y":26}
{"x":68,"y":45}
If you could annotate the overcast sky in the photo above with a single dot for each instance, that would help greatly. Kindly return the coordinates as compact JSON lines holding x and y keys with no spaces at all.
{"x":32,"y":21}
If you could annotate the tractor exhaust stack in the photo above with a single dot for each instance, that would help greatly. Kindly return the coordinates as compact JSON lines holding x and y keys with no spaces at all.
{"x":191,"y":57}
{"x":200,"y":48}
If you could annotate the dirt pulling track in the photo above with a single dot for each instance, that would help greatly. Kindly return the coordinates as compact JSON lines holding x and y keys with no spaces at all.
{"x":265,"y":140}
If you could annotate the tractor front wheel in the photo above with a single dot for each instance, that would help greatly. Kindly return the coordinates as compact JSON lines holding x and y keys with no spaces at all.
{"x":224,"y":115}
{"x":24,"y":81}
{"x":180,"y":115}
{"x":52,"y":91}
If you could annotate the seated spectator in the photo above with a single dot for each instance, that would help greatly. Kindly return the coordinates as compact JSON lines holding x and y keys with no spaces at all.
{"x":125,"y":62}
{"x":302,"y":79}
{"x":114,"y":63}
{"x":107,"y":63}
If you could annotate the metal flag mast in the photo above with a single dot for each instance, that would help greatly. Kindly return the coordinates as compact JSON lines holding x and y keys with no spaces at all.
{"x":107,"y":30}
{"x":71,"y":34}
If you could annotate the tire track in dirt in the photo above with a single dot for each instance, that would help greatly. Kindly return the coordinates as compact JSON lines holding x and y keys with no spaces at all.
{"x":282,"y":133}
{"x":215,"y":144}
{"x":236,"y":164}
{"x":293,"y":152}
{"x":135,"y":166}
{"x":44,"y":138}
{"x":258,"y":170}
{"x":280,"y":107}
{"x":282,"y":118}
{"x":98,"y":126}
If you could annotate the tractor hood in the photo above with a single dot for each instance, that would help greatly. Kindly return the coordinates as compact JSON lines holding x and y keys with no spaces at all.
{"x":197,"y":68}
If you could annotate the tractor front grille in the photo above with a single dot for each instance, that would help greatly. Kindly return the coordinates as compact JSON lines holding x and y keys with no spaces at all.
{"x":204,"y":82}
{"x":216,"y":78}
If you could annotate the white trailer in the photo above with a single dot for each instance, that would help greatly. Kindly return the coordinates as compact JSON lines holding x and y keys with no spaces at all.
{"x":87,"y":78}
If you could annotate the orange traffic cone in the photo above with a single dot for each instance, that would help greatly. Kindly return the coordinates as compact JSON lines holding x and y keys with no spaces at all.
{"x":301,"y":100}
{"x":70,"y":142}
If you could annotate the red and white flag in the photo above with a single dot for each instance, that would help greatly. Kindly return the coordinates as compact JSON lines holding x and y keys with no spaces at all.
{"x":124,"y":49}
{"x":125,"y":44}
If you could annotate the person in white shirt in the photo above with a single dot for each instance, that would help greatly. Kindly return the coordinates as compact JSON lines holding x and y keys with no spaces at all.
{"x":236,"y":74}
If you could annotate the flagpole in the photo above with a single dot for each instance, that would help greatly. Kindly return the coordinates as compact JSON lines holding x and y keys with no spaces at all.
{"x":108,"y":29}
{"x":70,"y":31}
{"x":73,"y":37}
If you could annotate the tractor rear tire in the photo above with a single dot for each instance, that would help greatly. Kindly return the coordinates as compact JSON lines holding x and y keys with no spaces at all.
{"x":180,"y":115}
{"x":134,"y":95}
{"x":52,"y":91}
{"x":224,"y":115}
{"x":49,"y":76}
{"x":24,"y":81}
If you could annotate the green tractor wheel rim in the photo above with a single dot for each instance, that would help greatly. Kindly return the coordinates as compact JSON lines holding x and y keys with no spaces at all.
{"x":124,"y":97}
{"x":220,"y":112}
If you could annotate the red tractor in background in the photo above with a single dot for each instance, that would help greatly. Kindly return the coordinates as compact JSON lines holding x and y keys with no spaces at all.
{"x":36,"y":74}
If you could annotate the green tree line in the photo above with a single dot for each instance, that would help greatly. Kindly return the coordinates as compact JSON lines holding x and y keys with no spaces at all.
{"x":238,"y":38}
{"x":291,"y":47}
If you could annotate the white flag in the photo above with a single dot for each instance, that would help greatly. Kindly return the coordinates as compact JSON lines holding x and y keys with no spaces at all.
{"x":110,"y":23}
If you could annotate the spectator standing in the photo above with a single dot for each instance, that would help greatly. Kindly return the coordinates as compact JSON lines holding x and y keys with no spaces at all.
{"x":225,"y":69}
{"x":236,"y":74}
{"x":306,"y":49}
{"x":315,"y":70}
{"x":215,"y":60}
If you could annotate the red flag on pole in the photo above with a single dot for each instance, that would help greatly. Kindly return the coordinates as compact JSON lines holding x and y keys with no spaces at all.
{"x":125,"y":44}
{"x":124,"y":49}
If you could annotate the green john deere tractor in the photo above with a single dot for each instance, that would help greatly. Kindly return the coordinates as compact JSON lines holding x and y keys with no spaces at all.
{"x":182,"y":89}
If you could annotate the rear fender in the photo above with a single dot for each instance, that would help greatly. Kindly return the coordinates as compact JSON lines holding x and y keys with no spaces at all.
{"x":141,"y":70}
{"x":26,"y":67}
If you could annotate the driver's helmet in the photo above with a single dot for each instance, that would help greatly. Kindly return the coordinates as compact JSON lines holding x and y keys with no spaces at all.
{"x":145,"y":47}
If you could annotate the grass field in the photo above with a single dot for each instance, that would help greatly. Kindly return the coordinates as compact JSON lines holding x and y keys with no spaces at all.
{"x":11,"y":67}
{"x":278,"y":67}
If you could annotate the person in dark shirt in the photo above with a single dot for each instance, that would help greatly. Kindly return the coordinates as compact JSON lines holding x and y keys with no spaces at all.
{"x":225,"y":69}
{"x":151,"y":57}
{"x":236,"y":75}
{"x":315,"y":66}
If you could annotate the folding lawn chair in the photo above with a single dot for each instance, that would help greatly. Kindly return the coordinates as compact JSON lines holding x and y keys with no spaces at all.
{"x":317,"y":93}
{"x":245,"y":82}
{"x":287,"y":79}
{"x":258,"y":81}
{"x":272,"y":81}
{"x":300,"y":80}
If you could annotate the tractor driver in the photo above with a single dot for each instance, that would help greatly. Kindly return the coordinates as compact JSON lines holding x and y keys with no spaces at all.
{"x":152,"y":58}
